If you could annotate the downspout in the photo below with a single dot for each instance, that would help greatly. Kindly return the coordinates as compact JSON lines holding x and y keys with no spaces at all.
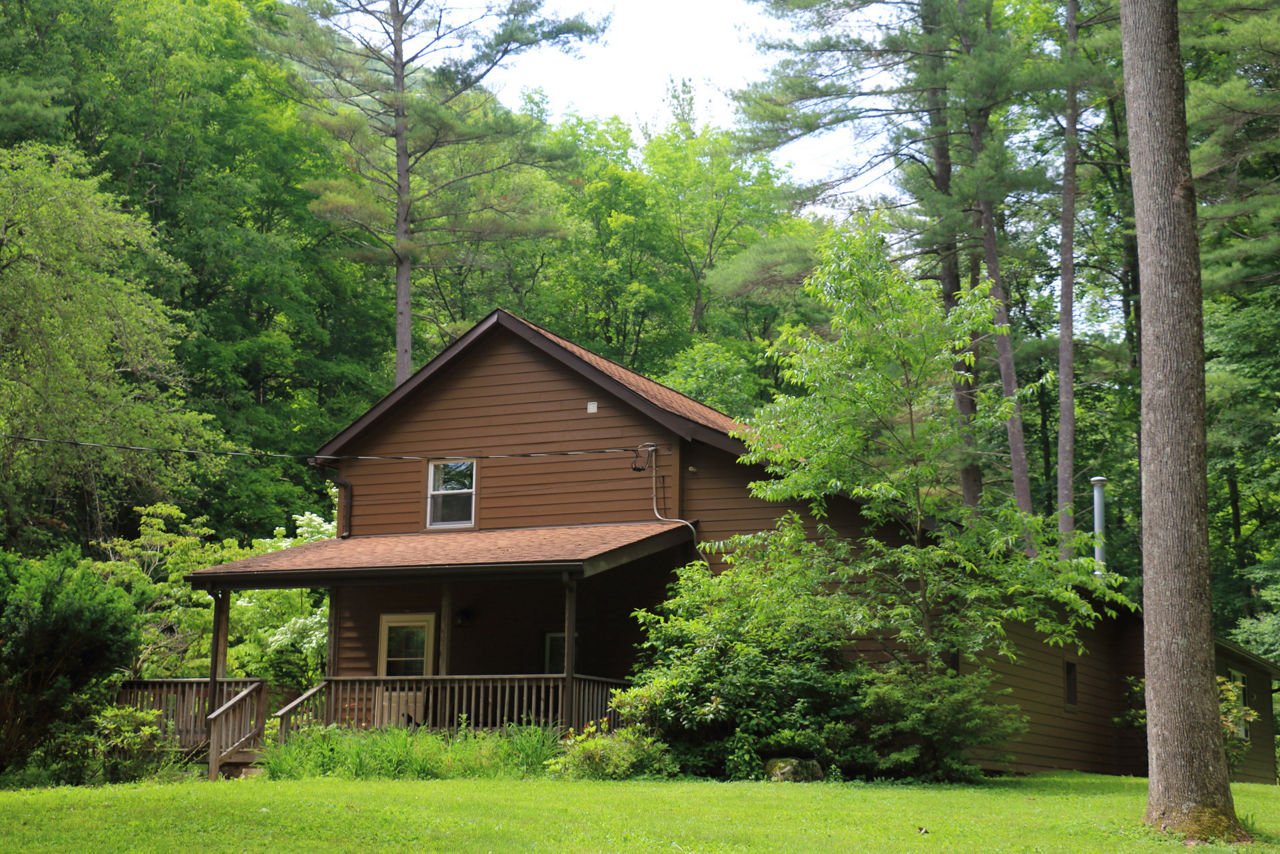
{"x":330,"y":472}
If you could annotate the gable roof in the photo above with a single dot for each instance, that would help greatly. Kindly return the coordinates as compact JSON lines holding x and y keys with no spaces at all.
{"x":679,"y":413}
{"x":580,"y":550}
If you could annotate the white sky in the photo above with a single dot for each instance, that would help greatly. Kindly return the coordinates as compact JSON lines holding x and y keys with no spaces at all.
{"x":649,"y":43}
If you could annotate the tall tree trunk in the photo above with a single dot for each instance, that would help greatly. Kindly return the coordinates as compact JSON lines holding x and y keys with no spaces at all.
{"x":1066,"y":307}
{"x":404,"y":201}
{"x":979,"y":121}
{"x":1188,"y":789}
{"x":947,"y":249}
{"x":1004,"y":357}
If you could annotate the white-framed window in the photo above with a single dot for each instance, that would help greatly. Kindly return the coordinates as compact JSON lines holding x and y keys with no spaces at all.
{"x":451,"y":494}
{"x":1238,"y":677}
{"x":406,"y":644}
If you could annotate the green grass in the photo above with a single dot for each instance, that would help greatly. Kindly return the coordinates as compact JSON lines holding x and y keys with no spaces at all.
{"x":1060,"y":812}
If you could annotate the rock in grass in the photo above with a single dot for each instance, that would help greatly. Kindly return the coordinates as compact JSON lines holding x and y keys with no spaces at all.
{"x":792,"y":770}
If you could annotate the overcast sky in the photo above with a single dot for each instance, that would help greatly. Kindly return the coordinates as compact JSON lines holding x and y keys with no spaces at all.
{"x":649,"y":43}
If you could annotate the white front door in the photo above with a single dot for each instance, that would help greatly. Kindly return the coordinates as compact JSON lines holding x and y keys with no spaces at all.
{"x":406,"y":648}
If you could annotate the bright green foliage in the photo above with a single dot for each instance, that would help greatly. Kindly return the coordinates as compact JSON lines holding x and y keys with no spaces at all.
{"x":85,"y":355}
{"x":648,"y":229}
{"x":118,"y":744}
{"x":274,"y":633}
{"x":599,"y":753}
{"x":280,"y":337}
{"x":720,"y":374}
{"x":398,"y":753}
{"x":63,"y":634}
{"x":876,"y":424}
{"x":750,"y":663}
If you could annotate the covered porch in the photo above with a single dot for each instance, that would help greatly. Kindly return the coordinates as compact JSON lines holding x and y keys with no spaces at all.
{"x":439,"y":630}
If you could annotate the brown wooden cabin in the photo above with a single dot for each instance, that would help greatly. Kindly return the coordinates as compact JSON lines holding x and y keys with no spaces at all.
{"x":517,"y":491}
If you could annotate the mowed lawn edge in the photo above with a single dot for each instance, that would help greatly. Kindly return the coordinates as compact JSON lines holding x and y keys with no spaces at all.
{"x":1066,"y":812}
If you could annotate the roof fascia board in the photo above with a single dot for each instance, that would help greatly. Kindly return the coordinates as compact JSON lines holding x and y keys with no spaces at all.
{"x":275,"y":579}
{"x":636,"y":551}
{"x":1241,"y":652}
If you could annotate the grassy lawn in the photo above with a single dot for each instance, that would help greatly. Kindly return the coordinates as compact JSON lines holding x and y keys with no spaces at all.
{"x":1060,"y":812}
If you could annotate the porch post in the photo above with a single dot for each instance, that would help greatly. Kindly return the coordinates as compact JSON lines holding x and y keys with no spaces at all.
{"x":217,"y":668}
{"x":570,"y":651}
{"x":446,"y":627}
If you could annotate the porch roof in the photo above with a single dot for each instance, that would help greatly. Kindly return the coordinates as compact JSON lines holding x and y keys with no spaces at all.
{"x":579,"y":550}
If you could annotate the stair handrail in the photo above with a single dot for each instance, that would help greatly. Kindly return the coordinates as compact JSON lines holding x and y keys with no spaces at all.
{"x":217,"y":752}
{"x":286,"y":713}
{"x":221,"y":710}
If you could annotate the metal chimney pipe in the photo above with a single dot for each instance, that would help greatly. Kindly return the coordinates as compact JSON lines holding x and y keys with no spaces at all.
{"x":1099,"y":520}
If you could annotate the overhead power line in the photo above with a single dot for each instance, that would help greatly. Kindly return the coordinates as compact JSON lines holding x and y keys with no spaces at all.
{"x":324,"y":457}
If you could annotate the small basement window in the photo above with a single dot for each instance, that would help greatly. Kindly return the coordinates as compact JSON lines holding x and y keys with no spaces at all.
{"x":451,"y":494}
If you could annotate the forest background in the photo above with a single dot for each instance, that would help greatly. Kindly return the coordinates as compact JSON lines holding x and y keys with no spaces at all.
{"x":199,"y":243}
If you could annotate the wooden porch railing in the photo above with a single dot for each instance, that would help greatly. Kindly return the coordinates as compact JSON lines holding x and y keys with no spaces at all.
{"x":238,"y":724}
{"x":183,"y":704}
{"x":449,"y":702}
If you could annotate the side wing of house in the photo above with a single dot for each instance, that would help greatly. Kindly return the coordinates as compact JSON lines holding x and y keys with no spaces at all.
{"x":1075,"y":702}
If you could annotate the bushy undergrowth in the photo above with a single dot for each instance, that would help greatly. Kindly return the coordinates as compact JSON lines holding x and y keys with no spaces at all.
{"x":119,"y":744}
{"x":404,"y":754}
{"x":597,"y":753}
{"x":750,"y":663}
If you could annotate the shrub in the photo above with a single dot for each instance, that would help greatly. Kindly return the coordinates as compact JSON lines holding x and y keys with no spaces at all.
{"x":597,"y":753}
{"x":119,"y":744}
{"x":749,"y":664}
{"x":63,"y":633}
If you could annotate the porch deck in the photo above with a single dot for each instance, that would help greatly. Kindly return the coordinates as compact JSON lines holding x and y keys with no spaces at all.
{"x":237,"y":717}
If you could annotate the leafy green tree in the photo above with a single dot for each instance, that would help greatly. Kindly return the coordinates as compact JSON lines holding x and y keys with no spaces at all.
{"x":873,"y":422}
{"x":191,"y":124}
{"x":719,"y":374}
{"x":749,"y":663}
{"x":177,"y":621}
{"x":63,"y":634}
{"x":85,"y":355}
{"x":400,"y":85}
{"x":938,"y":84}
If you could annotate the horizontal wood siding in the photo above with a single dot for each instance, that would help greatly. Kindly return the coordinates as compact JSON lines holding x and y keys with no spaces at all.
{"x":355,"y":611}
{"x":1083,"y":735}
{"x":716,"y":495}
{"x":505,"y":397}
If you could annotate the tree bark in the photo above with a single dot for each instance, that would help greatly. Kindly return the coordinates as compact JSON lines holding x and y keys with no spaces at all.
{"x":1066,"y":303}
{"x":979,"y":122}
{"x":947,"y":249}
{"x":1188,"y":788}
{"x":404,"y":200}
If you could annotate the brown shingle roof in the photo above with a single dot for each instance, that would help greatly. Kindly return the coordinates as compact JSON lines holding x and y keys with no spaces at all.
{"x":577,"y":549}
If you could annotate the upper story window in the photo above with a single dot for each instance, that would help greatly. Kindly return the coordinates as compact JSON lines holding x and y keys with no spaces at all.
{"x":451,"y":494}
